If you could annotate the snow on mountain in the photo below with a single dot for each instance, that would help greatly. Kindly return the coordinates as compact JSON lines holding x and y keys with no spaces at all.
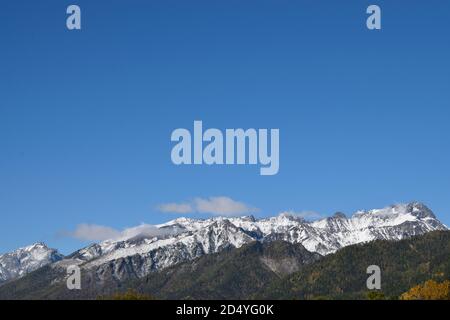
{"x":140,"y":255}
{"x":24,"y":260}
{"x":185,"y":239}
{"x":188,"y":239}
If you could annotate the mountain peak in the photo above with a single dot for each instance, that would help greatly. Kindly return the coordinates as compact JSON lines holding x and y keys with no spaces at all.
{"x":339,"y":215}
{"x":420,"y":210}
{"x":35,"y":246}
{"x":415,"y":208}
{"x":250,"y":218}
{"x":290,"y":216}
{"x":26,"y":259}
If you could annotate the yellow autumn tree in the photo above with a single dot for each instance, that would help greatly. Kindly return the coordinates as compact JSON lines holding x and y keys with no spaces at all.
{"x":430,"y":290}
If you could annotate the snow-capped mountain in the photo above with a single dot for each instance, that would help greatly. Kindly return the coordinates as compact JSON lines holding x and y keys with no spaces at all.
{"x":24,"y":260}
{"x":185,"y":239}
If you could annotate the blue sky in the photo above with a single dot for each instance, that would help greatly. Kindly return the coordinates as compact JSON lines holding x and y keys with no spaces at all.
{"x":86,"y":116}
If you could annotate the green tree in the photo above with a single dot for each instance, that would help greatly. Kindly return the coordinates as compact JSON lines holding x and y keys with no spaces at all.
{"x":376,"y":295}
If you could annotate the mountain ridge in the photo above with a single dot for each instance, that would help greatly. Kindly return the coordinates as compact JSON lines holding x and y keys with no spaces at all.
{"x":186,"y":239}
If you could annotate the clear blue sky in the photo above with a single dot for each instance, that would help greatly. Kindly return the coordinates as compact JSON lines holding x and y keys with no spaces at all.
{"x":86,"y":116}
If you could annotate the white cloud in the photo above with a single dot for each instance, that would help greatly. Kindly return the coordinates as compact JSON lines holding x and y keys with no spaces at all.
{"x":222,"y":206}
{"x":176,"y":208}
{"x":93,"y":232}
{"x":219,"y":206}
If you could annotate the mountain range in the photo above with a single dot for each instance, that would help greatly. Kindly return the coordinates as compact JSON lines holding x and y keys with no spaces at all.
{"x":113,"y":263}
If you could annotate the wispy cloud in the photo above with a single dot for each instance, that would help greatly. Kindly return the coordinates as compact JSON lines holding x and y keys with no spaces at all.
{"x":93,"y":232}
{"x":222,"y":206}
{"x":176,"y":208}
{"x":219,"y":206}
